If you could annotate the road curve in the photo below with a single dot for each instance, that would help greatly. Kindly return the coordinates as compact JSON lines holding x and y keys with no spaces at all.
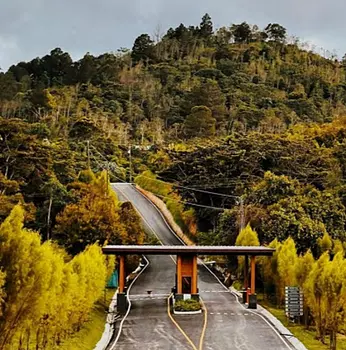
{"x":230,"y":325}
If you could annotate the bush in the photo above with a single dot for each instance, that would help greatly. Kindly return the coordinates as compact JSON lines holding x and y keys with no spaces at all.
{"x":187,"y":305}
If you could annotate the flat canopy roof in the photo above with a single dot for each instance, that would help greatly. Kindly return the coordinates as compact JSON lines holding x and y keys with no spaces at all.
{"x":194,"y":249}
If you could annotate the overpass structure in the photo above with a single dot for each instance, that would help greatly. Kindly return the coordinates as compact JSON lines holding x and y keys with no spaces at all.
{"x":186,"y":284}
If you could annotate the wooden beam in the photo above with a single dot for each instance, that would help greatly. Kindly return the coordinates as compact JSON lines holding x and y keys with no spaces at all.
{"x":253,"y":274}
{"x":179,"y":276}
{"x":121,"y":273}
{"x":194,"y":275}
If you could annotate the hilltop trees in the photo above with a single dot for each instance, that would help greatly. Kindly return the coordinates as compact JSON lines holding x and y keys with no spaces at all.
{"x":142,"y":49}
{"x":275,"y":32}
{"x":241,"y":33}
{"x":206,"y":27}
{"x":249,"y":81}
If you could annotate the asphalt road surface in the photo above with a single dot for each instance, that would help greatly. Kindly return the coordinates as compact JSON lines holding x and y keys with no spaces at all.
{"x":229,"y":326}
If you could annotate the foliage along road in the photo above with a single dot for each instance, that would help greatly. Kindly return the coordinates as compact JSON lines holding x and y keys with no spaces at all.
{"x":230,"y":325}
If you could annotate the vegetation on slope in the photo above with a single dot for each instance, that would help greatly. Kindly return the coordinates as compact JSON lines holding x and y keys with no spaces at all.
{"x":240,"y":111}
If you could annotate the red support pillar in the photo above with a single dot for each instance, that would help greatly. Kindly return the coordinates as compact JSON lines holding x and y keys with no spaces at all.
{"x":121,"y":273}
{"x":194,"y":275}
{"x":253,"y":273}
{"x":179,"y":276}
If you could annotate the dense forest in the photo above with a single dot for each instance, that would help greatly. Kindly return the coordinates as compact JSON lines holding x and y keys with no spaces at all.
{"x":244,"y":124}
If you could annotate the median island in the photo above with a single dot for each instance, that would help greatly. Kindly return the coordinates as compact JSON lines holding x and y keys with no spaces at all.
{"x":187,"y":307}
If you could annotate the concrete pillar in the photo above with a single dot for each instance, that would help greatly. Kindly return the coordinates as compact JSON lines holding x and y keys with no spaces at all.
{"x":179,"y":276}
{"x":194,"y":275}
{"x":122,"y":303}
{"x":121,"y":273}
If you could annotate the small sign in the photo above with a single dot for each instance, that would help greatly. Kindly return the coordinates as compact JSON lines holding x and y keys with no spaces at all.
{"x":294,"y":302}
{"x":187,"y":296}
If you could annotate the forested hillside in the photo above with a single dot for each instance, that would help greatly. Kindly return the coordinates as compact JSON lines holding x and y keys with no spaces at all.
{"x":240,"y":111}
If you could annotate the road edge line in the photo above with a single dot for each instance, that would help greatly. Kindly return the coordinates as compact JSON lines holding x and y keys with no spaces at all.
{"x":129,"y":307}
{"x":201,"y":339}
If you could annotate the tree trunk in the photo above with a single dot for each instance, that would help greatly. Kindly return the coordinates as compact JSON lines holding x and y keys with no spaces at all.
{"x":332,"y":345}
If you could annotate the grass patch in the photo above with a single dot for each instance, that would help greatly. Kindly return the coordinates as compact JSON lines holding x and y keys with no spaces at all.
{"x":90,"y":334}
{"x":187,"y":305}
{"x":307,"y":337}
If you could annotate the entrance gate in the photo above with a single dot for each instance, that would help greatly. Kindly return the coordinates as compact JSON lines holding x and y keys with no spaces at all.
{"x":186,"y":283}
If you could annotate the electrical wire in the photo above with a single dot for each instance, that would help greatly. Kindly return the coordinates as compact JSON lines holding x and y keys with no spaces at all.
{"x":193,"y":189}
{"x":102,"y":167}
{"x":190,"y":203}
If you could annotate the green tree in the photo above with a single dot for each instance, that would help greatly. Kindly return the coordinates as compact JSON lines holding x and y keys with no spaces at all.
{"x":206,"y":27}
{"x":142,"y":49}
{"x":241,"y":33}
{"x":325,"y":243}
{"x":132,"y":224}
{"x":209,"y":94}
{"x":200,"y":122}
{"x":273,"y":188}
{"x":275,"y":32}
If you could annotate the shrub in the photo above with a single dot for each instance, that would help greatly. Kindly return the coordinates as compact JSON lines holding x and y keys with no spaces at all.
{"x":187,"y":305}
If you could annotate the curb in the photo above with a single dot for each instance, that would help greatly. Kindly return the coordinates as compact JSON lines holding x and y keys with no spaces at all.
{"x":112,"y":316}
{"x":284,"y":332}
{"x":109,"y":326}
{"x":187,"y":312}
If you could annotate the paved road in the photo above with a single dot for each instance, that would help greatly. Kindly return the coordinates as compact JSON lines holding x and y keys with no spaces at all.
{"x":230,"y":326}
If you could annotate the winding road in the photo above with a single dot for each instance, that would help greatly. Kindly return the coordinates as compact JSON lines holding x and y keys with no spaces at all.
{"x":148,"y":325}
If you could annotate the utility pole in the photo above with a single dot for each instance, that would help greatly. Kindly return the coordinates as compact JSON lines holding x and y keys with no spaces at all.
{"x":88,"y":150}
{"x":242,"y":214}
{"x":130,"y":159}
{"x":108,"y":179}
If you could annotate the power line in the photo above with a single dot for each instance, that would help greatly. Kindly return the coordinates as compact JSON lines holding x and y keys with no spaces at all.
{"x":193,"y":189}
{"x":189,"y":203}
{"x":102,"y":167}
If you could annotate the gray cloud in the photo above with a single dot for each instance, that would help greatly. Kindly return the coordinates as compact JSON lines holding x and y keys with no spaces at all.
{"x":32,"y":28}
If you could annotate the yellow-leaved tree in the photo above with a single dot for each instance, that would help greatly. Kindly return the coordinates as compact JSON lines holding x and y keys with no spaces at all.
{"x":304,"y":266}
{"x":2,"y":290}
{"x":286,"y":262}
{"x":95,"y":217}
{"x":333,"y":286}
{"x":314,"y":292}
{"x":269,"y":267}
{"x":44,"y":295}
{"x":246,"y":237}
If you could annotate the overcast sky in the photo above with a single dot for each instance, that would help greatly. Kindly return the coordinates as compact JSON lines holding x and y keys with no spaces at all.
{"x":31,"y":28}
